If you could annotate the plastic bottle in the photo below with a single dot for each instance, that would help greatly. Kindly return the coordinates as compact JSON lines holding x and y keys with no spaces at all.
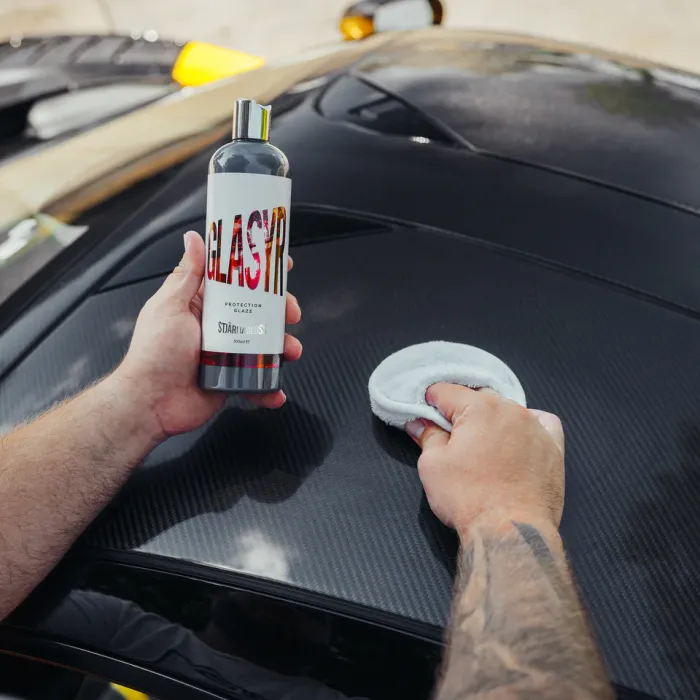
{"x":247,"y":244}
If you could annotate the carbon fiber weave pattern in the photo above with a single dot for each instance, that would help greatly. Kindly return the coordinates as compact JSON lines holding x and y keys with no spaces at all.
{"x":322,"y":497}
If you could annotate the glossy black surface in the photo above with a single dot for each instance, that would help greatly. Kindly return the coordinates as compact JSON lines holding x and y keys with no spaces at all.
{"x":311,"y":225}
{"x":591,"y":294}
{"x":36,"y":668}
{"x":585,"y":227}
{"x":229,"y":641}
{"x":349,"y":99}
{"x":636,"y":127}
{"x":172,"y":636}
{"x":321,"y":498}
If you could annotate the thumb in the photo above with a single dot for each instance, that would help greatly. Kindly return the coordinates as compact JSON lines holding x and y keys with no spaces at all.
{"x":184,"y":281}
{"x":426,"y":434}
{"x":552,"y":425}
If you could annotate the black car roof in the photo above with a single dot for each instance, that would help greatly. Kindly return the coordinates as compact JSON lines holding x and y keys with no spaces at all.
{"x":633,"y":127}
{"x":589,"y":292}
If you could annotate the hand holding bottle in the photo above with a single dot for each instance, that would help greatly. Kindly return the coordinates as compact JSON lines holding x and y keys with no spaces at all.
{"x":163,"y":357}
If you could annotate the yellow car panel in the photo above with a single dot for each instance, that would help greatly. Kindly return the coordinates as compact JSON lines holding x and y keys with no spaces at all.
{"x":199,"y":63}
{"x":128,"y":693}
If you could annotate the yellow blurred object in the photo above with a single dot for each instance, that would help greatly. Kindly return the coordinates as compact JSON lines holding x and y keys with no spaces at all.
{"x":356,"y":28}
{"x":199,"y":63}
{"x":128,"y":693}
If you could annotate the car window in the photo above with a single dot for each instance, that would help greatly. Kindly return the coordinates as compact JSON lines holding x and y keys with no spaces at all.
{"x":226,"y":641}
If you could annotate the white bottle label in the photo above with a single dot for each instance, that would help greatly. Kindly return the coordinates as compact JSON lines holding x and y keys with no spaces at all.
{"x":245,"y":281}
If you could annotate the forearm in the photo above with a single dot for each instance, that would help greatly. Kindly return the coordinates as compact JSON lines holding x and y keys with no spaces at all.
{"x":58,"y":472}
{"x":518,"y":630}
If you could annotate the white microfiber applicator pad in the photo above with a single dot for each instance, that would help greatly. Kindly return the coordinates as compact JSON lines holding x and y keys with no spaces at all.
{"x":397,"y":387}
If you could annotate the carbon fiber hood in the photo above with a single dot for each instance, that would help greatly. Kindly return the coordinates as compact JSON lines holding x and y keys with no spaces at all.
{"x":321,"y":498}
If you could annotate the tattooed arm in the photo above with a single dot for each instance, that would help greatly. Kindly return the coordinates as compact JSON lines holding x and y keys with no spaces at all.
{"x":517,"y":627}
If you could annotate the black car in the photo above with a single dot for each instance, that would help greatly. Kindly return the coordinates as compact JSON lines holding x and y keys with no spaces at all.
{"x":539,"y":201}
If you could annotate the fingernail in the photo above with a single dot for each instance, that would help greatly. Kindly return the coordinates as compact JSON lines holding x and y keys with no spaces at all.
{"x":546,"y":420}
{"x":186,"y":240}
{"x":415,"y":428}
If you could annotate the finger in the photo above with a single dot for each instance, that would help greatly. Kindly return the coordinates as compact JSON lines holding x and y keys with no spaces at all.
{"x":552,"y":424}
{"x":433,"y":437}
{"x":293,"y":309}
{"x":184,"y":281}
{"x":292,"y":348}
{"x":274,"y":400}
{"x":426,"y":434}
{"x":451,"y":399}
{"x":488,"y":391}
{"x":290,"y":263}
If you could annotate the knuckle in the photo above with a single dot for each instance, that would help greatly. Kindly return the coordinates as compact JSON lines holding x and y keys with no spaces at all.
{"x":427,"y":461}
{"x":490,"y":401}
{"x":522,"y":414}
{"x":433,"y":459}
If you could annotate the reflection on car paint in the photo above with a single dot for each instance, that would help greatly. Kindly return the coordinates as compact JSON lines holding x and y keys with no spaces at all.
{"x":234,"y":642}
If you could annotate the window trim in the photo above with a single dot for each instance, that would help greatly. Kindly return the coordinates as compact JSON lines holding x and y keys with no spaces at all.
{"x":15,"y":642}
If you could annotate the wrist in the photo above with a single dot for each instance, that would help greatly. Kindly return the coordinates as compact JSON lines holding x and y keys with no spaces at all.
{"x":133,"y":400}
{"x":500,"y":523}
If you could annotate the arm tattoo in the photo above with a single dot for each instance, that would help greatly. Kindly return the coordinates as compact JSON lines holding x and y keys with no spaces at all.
{"x":518,"y":631}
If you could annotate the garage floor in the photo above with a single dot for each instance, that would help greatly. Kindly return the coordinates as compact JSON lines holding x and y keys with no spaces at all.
{"x":667,"y":31}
